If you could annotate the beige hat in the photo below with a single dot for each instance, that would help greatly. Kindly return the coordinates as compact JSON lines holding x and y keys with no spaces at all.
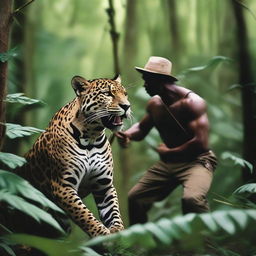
{"x":159,"y":66}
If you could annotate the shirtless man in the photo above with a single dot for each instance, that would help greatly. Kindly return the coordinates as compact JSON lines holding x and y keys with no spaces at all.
{"x":180,"y":117}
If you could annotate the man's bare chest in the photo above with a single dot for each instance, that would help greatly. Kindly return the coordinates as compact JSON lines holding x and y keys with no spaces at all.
{"x":164,"y":117}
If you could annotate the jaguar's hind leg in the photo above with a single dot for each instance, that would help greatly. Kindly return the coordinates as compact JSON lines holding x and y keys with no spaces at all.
{"x":69,"y":200}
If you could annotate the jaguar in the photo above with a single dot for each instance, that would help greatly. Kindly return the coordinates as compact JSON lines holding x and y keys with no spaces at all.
{"x":72,"y":158}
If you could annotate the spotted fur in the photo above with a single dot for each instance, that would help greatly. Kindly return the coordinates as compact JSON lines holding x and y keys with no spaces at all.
{"x":73,"y":158}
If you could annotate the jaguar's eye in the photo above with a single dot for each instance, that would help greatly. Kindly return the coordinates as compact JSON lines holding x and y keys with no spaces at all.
{"x":108,"y":93}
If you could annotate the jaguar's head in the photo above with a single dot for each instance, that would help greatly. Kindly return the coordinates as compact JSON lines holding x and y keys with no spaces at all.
{"x":102,"y":101}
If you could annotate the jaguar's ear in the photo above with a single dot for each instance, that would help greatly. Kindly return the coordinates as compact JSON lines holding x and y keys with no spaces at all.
{"x":117,"y":78}
{"x":79,"y":84}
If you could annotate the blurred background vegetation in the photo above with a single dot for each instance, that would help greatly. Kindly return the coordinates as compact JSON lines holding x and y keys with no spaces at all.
{"x":212,"y":44}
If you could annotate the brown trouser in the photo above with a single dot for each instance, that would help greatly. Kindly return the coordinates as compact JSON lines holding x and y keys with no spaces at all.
{"x":162,"y":178}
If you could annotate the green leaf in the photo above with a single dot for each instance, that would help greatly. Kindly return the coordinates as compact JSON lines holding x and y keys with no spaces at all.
{"x":134,"y":235}
{"x":209,"y":222}
{"x":90,"y":252}
{"x":5,"y":56}
{"x":12,"y":160}
{"x":158,"y":232}
{"x":247,"y":188}
{"x":240,"y":217}
{"x":20,"y":98}
{"x":5,"y":228}
{"x":36,"y":213}
{"x":234,"y":86}
{"x":237,"y":160}
{"x":141,"y":234}
{"x":17,"y":185}
{"x":252,"y":214}
{"x":16,"y":130}
{"x":213,"y":62}
{"x":7,"y":248}
{"x":223,"y":220}
{"x":183,"y":222}
{"x":170,"y":228}
{"x":49,"y":246}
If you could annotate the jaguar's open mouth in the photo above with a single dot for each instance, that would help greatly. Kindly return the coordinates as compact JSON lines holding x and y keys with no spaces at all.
{"x":112,"y":122}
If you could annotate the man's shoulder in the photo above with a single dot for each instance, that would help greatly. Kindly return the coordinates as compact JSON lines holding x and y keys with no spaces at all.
{"x":194,"y":103}
{"x":192,"y":98}
{"x":154,"y":102}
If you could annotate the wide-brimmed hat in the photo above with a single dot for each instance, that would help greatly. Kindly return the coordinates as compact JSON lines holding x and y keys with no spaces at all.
{"x":159,"y":66}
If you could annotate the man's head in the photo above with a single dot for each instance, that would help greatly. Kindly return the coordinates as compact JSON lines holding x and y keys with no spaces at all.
{"x":156,"y":72}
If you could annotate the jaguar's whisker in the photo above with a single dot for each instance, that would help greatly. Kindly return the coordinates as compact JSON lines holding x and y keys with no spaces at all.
{"x":97,"y":117}
{"x":96,"y":114}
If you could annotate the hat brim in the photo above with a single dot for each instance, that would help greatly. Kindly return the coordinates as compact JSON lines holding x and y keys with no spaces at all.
{"x":143,"y":70}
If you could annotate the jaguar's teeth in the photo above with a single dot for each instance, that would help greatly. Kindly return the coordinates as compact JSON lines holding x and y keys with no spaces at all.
{"x":117,"y":120}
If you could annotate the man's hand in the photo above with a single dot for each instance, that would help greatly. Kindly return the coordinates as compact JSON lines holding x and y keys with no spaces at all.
{"x":123,"y":139}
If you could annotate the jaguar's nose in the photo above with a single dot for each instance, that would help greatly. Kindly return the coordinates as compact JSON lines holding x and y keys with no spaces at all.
{"x":125,"y":107}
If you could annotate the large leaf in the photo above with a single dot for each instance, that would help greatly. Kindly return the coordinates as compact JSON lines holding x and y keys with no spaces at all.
{"x":18,"y":186}
{"x":16,"y":130}
{"x":12,"y":160}
{"x":213,"y":62}
{"x":166,"y":231}
{"x":33,"y":211}
{"x":51,"y":247}
{"x":20,"y":98}
{"x":237,"y":160}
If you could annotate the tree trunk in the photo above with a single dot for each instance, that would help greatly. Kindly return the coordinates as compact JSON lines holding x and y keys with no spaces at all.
{"x":247,"y":92}
{"x":18,"y":75}
{"x":22,"y":74}
{"x":130,"y":52}
{"x":174,"y":32}
{"x":123,"y":156}
{"x":5,"y":24}
{"x":130,"y":40}
{"x":114,"y":35}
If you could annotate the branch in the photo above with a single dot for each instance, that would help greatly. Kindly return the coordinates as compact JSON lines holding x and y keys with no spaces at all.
{"x":114,"y":35}
{"x":22,"y":7}
{"x":246,"y":7}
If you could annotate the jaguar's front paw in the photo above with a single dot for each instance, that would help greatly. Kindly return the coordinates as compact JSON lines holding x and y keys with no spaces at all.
{"x":116,"y":228}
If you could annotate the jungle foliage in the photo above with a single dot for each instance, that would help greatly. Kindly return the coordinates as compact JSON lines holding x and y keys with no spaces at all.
{"x":212,"y":46}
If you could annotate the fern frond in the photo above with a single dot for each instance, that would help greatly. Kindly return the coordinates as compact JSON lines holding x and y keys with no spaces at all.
{"x":166,"y":231}
{"x":247,"y":188}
